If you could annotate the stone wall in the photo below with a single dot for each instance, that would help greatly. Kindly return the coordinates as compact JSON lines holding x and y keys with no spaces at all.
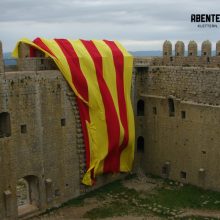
{"x":42,"y":141}
{"x":196,"y":84}
{"x":177,"y":114}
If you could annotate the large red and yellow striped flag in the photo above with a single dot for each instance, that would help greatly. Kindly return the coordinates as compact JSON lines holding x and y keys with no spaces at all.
{"x":100,"y":73}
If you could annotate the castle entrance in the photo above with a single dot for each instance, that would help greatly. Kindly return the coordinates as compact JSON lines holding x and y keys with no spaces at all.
{"x":27,"y":195}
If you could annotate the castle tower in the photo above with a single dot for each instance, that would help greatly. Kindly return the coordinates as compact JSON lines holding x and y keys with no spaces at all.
{"x":179,"y":49}
{"x":192,"y":49}
{"x":218,"y":48}
{"x":24,"y":50}
{"x":1,"y":52}
{"x":167,"y":49}
{"x":1,"y":59}
{"x":206,"y":48}
{"x":23,"y":53}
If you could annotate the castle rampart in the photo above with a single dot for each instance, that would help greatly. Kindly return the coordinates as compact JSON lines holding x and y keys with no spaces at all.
{"x":206,"y":59}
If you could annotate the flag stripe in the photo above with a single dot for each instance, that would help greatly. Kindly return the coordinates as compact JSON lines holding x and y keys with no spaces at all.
{"x":119,"y":68}
{"x":127,"y":154}
{"x":41,"y":44}
{"x":98,"y":134}
{"x":112,"y":161}
{"x":78,"y":78}
{"x":109,"y":75}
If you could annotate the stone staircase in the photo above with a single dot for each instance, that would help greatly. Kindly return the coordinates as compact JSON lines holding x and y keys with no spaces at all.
{"x":80,"y":141}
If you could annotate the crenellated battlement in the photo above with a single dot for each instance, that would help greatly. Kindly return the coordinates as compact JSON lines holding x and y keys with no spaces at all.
{"x":181,"y":59}
{"x":177,"y":57}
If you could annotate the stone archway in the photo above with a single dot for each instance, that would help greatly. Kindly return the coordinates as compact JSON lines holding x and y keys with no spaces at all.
{"x":27,"y":195}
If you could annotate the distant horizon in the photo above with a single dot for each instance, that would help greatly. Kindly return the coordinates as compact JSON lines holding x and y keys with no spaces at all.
{"x":145,"y":45}
{"x":9,"y":60}
{"x":7,"y":55}
{"x":127,"y":50}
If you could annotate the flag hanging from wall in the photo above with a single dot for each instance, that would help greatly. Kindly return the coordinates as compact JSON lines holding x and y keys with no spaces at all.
{"x":100,"y":73}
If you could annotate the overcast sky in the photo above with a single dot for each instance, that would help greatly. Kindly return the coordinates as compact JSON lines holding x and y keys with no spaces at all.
{"x":137,"y":24}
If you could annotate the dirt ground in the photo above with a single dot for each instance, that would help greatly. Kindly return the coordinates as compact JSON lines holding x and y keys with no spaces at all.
{"x":140,"y":184}
{"x":75,"y":213}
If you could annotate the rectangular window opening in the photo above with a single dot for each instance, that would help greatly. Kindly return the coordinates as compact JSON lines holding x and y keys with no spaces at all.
{"x":142,"y":69}
{"x":183,"y":175}
{"x":154,"y":110}
{"x":183,"y":114}
{"x":57,"y":192}
{"x":165,"y":170}
{"x":171,"y":107}
{"x":23,"y":129}
{"x":63,"y":122}
{"x":5,"y":125}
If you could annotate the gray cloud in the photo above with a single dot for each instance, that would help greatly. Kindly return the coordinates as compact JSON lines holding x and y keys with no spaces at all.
{"x":139,"y":24}
{"x":124,"y":11}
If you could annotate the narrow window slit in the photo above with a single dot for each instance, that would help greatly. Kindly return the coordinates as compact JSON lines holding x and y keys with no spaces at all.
{"x":171,"y":107}
{"x":63,"y":122}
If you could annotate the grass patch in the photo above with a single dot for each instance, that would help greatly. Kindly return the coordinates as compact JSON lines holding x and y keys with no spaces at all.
{"x":188,"y":196}
{"x":118,"y":203}
{"x":168,"y":200}
{"x":100,"y":193}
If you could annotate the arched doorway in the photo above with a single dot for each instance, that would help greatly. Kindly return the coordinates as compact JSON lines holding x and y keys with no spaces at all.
{"x":139,"y":156}
{"x":140,"y":108}
{"x":140,"y":144}
{"x":27,"y":195}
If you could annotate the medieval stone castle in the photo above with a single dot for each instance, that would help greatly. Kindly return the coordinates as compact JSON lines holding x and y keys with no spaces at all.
{"x":176,"y":101}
